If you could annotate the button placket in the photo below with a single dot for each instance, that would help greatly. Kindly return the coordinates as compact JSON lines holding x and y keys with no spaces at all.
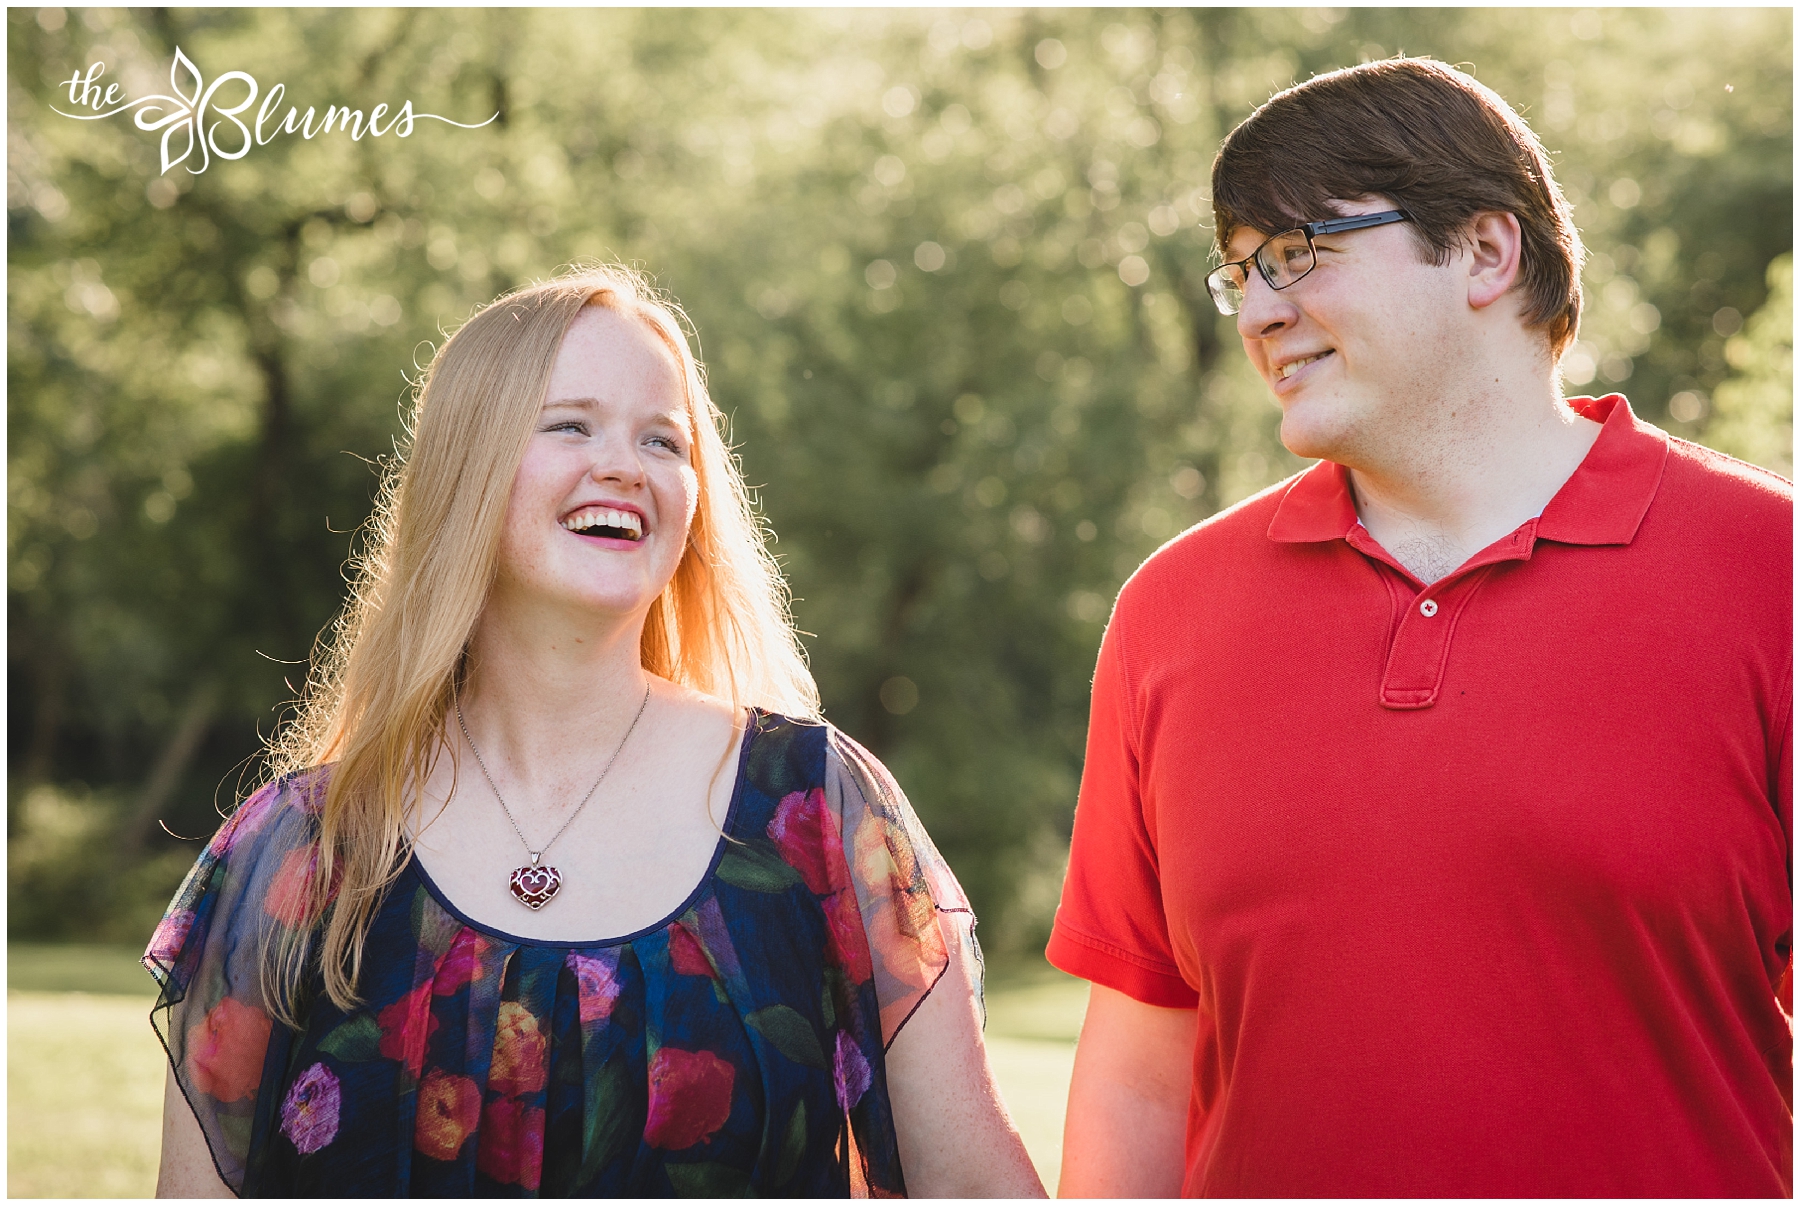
{"x":1421,"y":648}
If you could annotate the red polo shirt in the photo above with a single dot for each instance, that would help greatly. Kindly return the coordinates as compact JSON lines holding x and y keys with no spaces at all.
{"x":1481,"y":887}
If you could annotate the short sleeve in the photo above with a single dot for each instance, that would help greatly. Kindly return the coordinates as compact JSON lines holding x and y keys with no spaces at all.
{"x":913,"y":910}
{"x":207,"y":957}
{"x":1110,"y":927}
{"x":1784,"y":808}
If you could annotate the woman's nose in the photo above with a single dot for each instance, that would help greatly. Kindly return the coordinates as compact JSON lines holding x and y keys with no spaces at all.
{"x":616,"y":460}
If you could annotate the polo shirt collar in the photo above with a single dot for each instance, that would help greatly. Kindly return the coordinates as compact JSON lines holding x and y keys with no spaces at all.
{"x":1603,"y":502}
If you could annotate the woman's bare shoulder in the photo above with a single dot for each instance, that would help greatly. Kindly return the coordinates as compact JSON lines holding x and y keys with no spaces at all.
{"x":683,"y":703}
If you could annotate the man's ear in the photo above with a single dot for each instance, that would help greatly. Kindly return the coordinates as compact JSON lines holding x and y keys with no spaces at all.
{"x":1495,"y":245}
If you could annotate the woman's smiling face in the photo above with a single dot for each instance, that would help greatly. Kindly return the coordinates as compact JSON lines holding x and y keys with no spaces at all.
{"x":600,"y":507}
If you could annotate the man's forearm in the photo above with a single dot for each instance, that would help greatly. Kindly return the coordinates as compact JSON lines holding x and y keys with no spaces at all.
{"x":1128,"y":1100}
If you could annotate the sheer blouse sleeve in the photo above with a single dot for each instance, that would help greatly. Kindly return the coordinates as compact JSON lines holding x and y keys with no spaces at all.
{"x":913,"y":910}
{"x":211,"y":1013}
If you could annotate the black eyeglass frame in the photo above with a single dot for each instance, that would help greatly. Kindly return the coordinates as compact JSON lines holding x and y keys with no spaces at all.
{"x":1216,"y":283}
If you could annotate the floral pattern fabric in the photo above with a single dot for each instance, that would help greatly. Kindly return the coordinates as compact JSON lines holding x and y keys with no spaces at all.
{"x":735,"y":1048}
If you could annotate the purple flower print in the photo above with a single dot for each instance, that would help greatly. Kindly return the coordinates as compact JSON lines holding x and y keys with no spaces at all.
{"x":716,"y":938}
{"x":850,"y":1070}
{"x":598,"y":981}
{"x":166,"y":943}
{"x":247,"y":821}
{"x":309,"y":1115}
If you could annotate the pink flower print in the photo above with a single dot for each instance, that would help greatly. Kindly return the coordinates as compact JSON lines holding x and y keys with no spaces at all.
{"x":849,"y":1070}
{"x":521,"y":1052}
{"x":462,"y":964}
{"x":289,"y":895}
{"x":171,"y":933}
{"x":225,"y":1050}
{"x":690,"y":1097}
{"x":406,"y":1026}
{"x":511,"y":1147}
{"x":309,"y":1114}
{"x":849,"y":941}
{"x":597,"y":984}
{"x":685,"y":953}
{"x":804,"y":831}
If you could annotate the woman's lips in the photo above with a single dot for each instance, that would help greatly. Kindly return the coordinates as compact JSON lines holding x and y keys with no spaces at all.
{"x":610,"y":523}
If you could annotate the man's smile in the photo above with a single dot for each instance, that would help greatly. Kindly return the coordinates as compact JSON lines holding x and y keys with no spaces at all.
{"x":1287,"y":370}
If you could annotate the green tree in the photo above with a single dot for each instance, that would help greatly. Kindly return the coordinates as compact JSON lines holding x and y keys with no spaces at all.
{"x":1753,"y":409}
{"x":946,"y":270}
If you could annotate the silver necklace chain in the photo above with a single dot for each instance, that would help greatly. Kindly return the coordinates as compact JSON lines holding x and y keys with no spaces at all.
{"x":537,"y":854}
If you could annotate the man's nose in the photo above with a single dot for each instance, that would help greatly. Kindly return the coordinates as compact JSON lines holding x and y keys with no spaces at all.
{"x":1265,"y":310}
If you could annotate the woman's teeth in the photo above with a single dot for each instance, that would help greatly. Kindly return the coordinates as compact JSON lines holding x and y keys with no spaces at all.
{"x":618,"y":524}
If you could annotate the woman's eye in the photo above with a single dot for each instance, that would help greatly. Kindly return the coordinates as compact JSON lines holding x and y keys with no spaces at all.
{"x":666,"y":442}
{"x":573,"y":425}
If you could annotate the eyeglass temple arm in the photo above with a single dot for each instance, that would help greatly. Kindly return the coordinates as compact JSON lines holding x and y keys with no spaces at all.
{"x":1356,"y":222}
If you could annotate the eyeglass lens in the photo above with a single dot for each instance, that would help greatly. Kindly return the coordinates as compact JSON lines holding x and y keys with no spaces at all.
{"x":1282,"y":260}
{"x":1285,"y":258}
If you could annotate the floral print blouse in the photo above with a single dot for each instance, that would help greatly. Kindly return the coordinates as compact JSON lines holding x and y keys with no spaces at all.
{"x":736,"y":1047}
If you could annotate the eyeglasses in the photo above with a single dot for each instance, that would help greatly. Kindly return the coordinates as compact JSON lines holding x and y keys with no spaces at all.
{"x":1285,"y":258}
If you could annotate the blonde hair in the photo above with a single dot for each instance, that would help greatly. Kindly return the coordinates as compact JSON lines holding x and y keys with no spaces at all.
{"x":382,"y":685}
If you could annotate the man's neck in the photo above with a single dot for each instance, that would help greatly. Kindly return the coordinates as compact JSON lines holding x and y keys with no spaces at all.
{"x":1488,"y":464}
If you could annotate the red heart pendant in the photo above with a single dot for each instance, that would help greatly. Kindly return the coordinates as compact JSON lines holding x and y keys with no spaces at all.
{"x":534,"y":886}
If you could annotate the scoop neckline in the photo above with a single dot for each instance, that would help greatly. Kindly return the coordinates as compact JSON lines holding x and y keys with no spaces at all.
{"x":751,"y":729}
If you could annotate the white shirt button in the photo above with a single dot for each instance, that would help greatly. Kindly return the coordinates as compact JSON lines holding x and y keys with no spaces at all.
{"x":1428,"y":608}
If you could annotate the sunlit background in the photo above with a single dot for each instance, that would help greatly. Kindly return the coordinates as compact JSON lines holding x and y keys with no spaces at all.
{"x":945,"y":269}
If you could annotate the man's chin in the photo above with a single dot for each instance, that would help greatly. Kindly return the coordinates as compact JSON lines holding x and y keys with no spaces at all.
{"x":1304,"y":436}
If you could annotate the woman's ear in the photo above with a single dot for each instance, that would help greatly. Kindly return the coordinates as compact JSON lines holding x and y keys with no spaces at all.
{"x":1495,"y":245}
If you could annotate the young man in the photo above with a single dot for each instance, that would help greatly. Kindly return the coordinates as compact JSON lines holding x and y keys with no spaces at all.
{"x":1434,"y":836}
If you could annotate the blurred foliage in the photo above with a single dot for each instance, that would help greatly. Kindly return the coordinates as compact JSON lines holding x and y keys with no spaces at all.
{"x":1753,"y":411}
{"x":61,"y":880}
{"x":945,"y":267}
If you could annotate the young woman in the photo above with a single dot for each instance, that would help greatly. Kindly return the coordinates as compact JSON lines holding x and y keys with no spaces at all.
{"x":560,"y":886}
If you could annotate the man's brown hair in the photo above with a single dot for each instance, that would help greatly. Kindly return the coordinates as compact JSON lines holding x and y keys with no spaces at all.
{"x":1430,"y":138}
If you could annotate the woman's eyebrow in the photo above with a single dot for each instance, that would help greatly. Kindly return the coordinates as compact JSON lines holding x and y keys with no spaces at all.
{"x":675,"y":418}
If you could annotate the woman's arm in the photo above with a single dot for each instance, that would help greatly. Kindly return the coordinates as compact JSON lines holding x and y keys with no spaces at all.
{"x":956,"y":1138}
{"x":187,"y":1166}
{"x":1128,"y":1100}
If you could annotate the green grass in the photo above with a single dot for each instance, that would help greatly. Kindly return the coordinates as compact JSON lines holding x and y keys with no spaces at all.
{"x":1034,"y":1015}
{"x":84,"y":1080}
{"x":90,"y":969}
{"x":85,"y":1072}
{"x":1032,"y":1000}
